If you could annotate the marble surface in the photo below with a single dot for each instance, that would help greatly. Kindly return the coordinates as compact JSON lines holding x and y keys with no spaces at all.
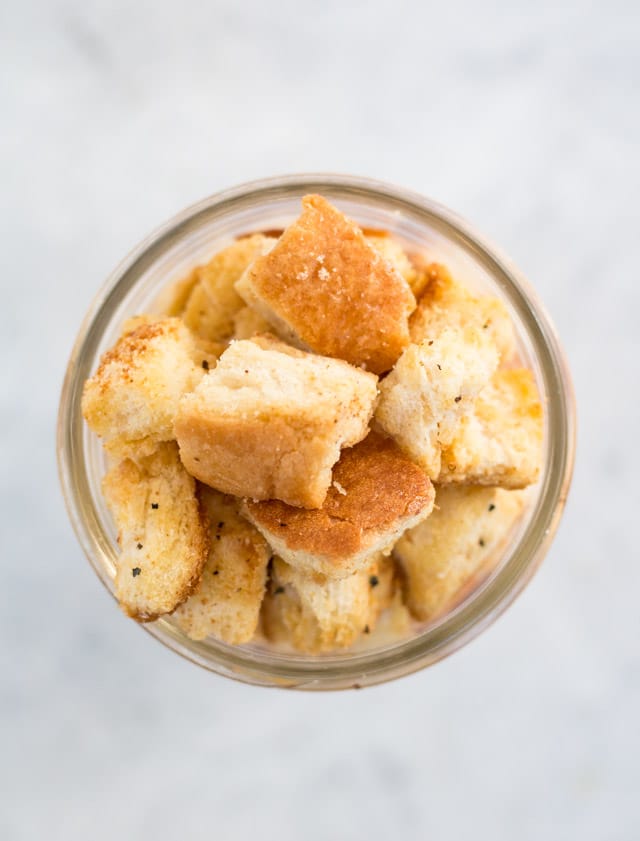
{"x":523,"y":117}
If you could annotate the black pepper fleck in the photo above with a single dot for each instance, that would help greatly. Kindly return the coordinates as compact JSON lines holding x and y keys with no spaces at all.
{"x":205,"y":364}
{"x":366,"y":629}
{"x":216,"y":572}
{"x":485,"y":325}
{"x":492,"y":507}
{"x":220,"y":524}
{"x":458,"y":398}
{"x":155,"y":505}
{"x":374,"y":580}
{"x":278,"y":590}
{"x":439,"y":366}
{"x":136,"y":571}
{"x":282,"y":525}
{"x":139,"y":546}
{"x":481,"y":541}
{"x":431,"y":342}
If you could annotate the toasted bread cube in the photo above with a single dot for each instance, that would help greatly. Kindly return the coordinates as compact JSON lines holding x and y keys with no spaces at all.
{"x":173,"y":298}
{"x":446,"y":303}
{"x":270,"y":420}
{"x":392,"y":251}
{"x":430,"y":388}
{"x":213,"y":303}
{"x":132,"y":399}
{"x":162,"y":531}
{"x":248,"y":323}
{"x":226,"y":602}
{"x":317,"y":614}
{"x":500,"y":442}
{"x":325,"y":288}
{"x":462,"y":535}
{"x":377,"y":493}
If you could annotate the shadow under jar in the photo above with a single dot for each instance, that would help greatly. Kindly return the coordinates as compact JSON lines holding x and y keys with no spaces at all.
{"x":420,"y":225}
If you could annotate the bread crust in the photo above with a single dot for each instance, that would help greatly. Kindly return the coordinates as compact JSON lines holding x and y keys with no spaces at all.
{"x":377,"y":493}
{"x":326,"y":288}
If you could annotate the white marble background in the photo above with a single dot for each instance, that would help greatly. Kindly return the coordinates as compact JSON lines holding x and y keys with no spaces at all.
{"x":522,"y":116}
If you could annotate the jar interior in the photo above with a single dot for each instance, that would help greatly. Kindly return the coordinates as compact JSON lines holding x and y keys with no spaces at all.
{"x":192,"y":239}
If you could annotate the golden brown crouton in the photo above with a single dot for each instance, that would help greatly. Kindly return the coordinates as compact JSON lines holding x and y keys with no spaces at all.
{"x":226,"y":602}
{"x":162,"y":532}
{"x":376,"y":494}
{"x":270,"y":420}
{"x":131,"y":400}
{"x":214,"y":302}
{"x":325,"y":288}
{"x":446,"y":303}
{"x":500,"y":441}
{"x":431,"y":386}
{"x":318,"y":614}
{"x":438,"y":557}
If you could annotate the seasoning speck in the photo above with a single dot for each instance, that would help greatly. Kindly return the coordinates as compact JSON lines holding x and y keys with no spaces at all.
{"x":374,"y":580}
{"x":481,"y":541}
{"x":458,"y":398}
{"x":139,"y":546}
{"x":136,"y":571}
{"x":492,"y":507}
{"x":205,"y":364}
{"x":220,"y":524}
{"x":278,"y":590}
{"x":155,"y":505}
{"x":216,"y":572}
{"x":439,"y":366}
{"x":282,"y":525}
{"x":366,"y":629}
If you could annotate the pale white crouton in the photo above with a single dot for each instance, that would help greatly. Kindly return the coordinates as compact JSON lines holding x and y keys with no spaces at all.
{"x":430,"y":388}
{"x":462,"y":534}
{"x":270,"y":420}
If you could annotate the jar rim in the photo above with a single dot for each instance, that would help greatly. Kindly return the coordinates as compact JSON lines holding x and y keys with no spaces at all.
{"x":355,"y":669}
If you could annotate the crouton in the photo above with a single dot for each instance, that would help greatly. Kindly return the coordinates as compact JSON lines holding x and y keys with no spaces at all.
{"x":377,"y":493}
{"x":431,"y":386}
{"x":210,"y":309}
{"x":446,"y":303}
{"x":439,"y":556}
{"x":247,"y":323}
{"x":270,"y":420}
{"x":173,"y":298}
{"x":392,"y":251}
{"x":325,"y":288}
{"x":162,"y":532}
{"x":226,"y":602}
{"x":132,"y":399}
{"x":500,"y":442}
{"x":213,"y":302}
{"x":317,"y":614}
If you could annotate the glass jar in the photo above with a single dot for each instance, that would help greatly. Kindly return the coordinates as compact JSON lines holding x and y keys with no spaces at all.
{"x":192,"y":237}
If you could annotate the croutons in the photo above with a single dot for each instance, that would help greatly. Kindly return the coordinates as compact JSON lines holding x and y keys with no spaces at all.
{"x":318,"y":614}
{"x":462,"y":534}
{"x":431,"y":386}
{"x":132,"y":399}
{"x":500,"y":442}
{"x":270,"y":420}
{"x":445,"y":303}
{"x":325,"y":288}
{"x":377,"y":493}
{"x":392,"y":251}
{"x":226,"y":602}
{"x":213,"y":303}
{"x":162,"y":532}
